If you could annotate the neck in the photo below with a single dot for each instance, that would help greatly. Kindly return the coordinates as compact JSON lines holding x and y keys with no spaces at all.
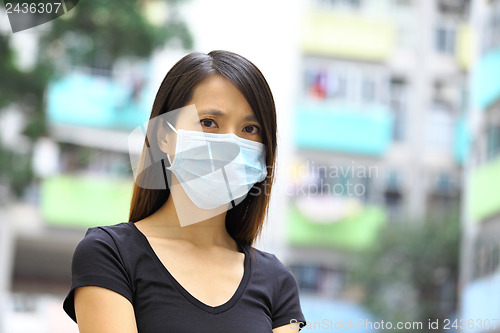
{"x":180,"y":219}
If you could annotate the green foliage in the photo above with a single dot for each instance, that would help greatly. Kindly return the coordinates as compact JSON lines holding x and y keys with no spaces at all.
{"x":15,"y":170}
{"x":23,"y":90}
{"x":411,"y":274}
{"x":96,"y":33}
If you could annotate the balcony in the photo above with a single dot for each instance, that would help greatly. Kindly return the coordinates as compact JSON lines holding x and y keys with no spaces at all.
{"x":78,"y":201}
{"x":484,"y":184}
{"x":485,"y":87}
{"x":336,"y":127}
{"x":355,"y":232}
{"x":347,"y":35}
{"x":97,"y":102}
{"x":465,"y":46}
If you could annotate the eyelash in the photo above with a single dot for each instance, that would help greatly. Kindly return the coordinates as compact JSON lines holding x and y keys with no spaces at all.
{"x":257,"y":128}
{"x":207,"y":119}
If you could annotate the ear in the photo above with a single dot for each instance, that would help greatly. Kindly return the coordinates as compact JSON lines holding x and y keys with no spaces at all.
{"x":163,"y":137}
{"x":166,"y":139}
{"x":163,"y":144}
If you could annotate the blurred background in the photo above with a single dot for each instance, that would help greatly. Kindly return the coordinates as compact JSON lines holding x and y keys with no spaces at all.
{"x":386,"y":205}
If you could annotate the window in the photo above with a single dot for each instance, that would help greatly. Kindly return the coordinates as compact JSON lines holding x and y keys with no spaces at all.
{"x":443,"y":196}
{"x":316,"y":83}
{"x":440,"y":126}
{"x":368,"y":90}
{"x":487,"y":254}
{"x":349,"y":183}
{"x":340,"y":4}
{"x":464,"y":100}
{"x":403,"y":15}
{"x":392,"y":195}
{"x":493,"y":145}
{"x":308,"y":277}
{"x":318,"y":279}
{"x":445,"y":39}
{"x":337,"y":81}
{"x":338,"y":86}
{"x":398,"y":103}
{"x":444,"y":184}
{"x":403,"y":3}
{"x":325,"y":84}
{"x":405,"y":37}
{"x":491,"y":30}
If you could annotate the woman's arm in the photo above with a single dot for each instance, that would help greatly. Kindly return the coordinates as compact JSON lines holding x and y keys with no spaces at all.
{"x":100,"y":310}
{"x":288,"y":328}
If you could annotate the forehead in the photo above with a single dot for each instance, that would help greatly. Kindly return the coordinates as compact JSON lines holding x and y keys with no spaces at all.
{"x":218,"y":93}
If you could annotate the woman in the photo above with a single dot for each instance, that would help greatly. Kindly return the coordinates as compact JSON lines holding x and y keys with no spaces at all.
{"x":184,"y":262}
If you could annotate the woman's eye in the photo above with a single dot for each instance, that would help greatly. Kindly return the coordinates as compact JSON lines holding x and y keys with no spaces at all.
{"x":208,"y":122}
{"x":252,"y":129}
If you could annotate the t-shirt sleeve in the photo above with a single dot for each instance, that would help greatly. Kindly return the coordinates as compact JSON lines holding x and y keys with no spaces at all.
{"x":97,"y":262}
{"x":286,"y":305}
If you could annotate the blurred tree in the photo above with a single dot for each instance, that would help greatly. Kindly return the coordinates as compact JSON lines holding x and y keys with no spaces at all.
{"x":21,"y":88}
{"x":94,"y":34}
{"x":23,"y":91}
{"x":411,"y":274}
{"x":98,"y":32}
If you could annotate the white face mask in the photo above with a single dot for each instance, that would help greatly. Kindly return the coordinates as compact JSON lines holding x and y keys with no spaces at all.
{"x":216,"y":169}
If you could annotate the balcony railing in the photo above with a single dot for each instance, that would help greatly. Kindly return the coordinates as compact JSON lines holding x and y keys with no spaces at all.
{"x":484,"y":184}
{"x":355,"y":232}
{"x":99,"y":102}
{"x":84,"y":201}
{"x":485,"y":87}
{"x":336,"y":127}
{"x":348,"y":35}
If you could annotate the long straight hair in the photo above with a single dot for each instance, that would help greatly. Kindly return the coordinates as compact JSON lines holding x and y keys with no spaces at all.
{"x":244,"y":221}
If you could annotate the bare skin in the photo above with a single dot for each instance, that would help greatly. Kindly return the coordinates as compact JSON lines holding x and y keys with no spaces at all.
{"x":202,"y":257}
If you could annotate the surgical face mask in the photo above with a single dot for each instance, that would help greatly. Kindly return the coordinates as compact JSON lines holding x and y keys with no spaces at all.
{"x":216,"y":169}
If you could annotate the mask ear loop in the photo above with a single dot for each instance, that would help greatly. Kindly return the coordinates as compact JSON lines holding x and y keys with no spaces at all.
{"x":164,"y":168}
{"x":173,"y":129}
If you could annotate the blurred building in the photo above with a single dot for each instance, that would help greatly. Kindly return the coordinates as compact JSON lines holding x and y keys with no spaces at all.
{"x":480,"y":274}
{"x":380,"y":136}
{"x":83,"y":179}
{"x":83,"y":174}
{"x":378,"y":127}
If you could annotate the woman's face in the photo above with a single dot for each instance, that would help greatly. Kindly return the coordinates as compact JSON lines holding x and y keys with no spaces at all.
{"x":221,"y":108}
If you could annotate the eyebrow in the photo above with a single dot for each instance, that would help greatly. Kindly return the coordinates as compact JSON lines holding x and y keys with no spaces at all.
{"x":250,"y":117}
{"x":211,"y":113}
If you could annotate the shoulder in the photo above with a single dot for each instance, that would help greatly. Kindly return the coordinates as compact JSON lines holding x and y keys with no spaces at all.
{"x":267,"y":259}
{"x":103,"y":259}
{"x":268,"y":264}
{"x":111,"y":235}
{"x":113,"y":241}
{"x":115,"y":231}
{"x":110,"y":251}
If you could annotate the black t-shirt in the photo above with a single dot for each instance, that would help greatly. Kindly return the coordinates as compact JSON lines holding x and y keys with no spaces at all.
{"x":120,"y":258}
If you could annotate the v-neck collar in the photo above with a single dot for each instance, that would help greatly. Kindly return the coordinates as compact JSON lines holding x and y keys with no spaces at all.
{"x":193,"y":300}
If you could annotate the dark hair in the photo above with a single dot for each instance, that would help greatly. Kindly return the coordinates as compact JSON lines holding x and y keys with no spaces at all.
{"x":243,"y":222}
